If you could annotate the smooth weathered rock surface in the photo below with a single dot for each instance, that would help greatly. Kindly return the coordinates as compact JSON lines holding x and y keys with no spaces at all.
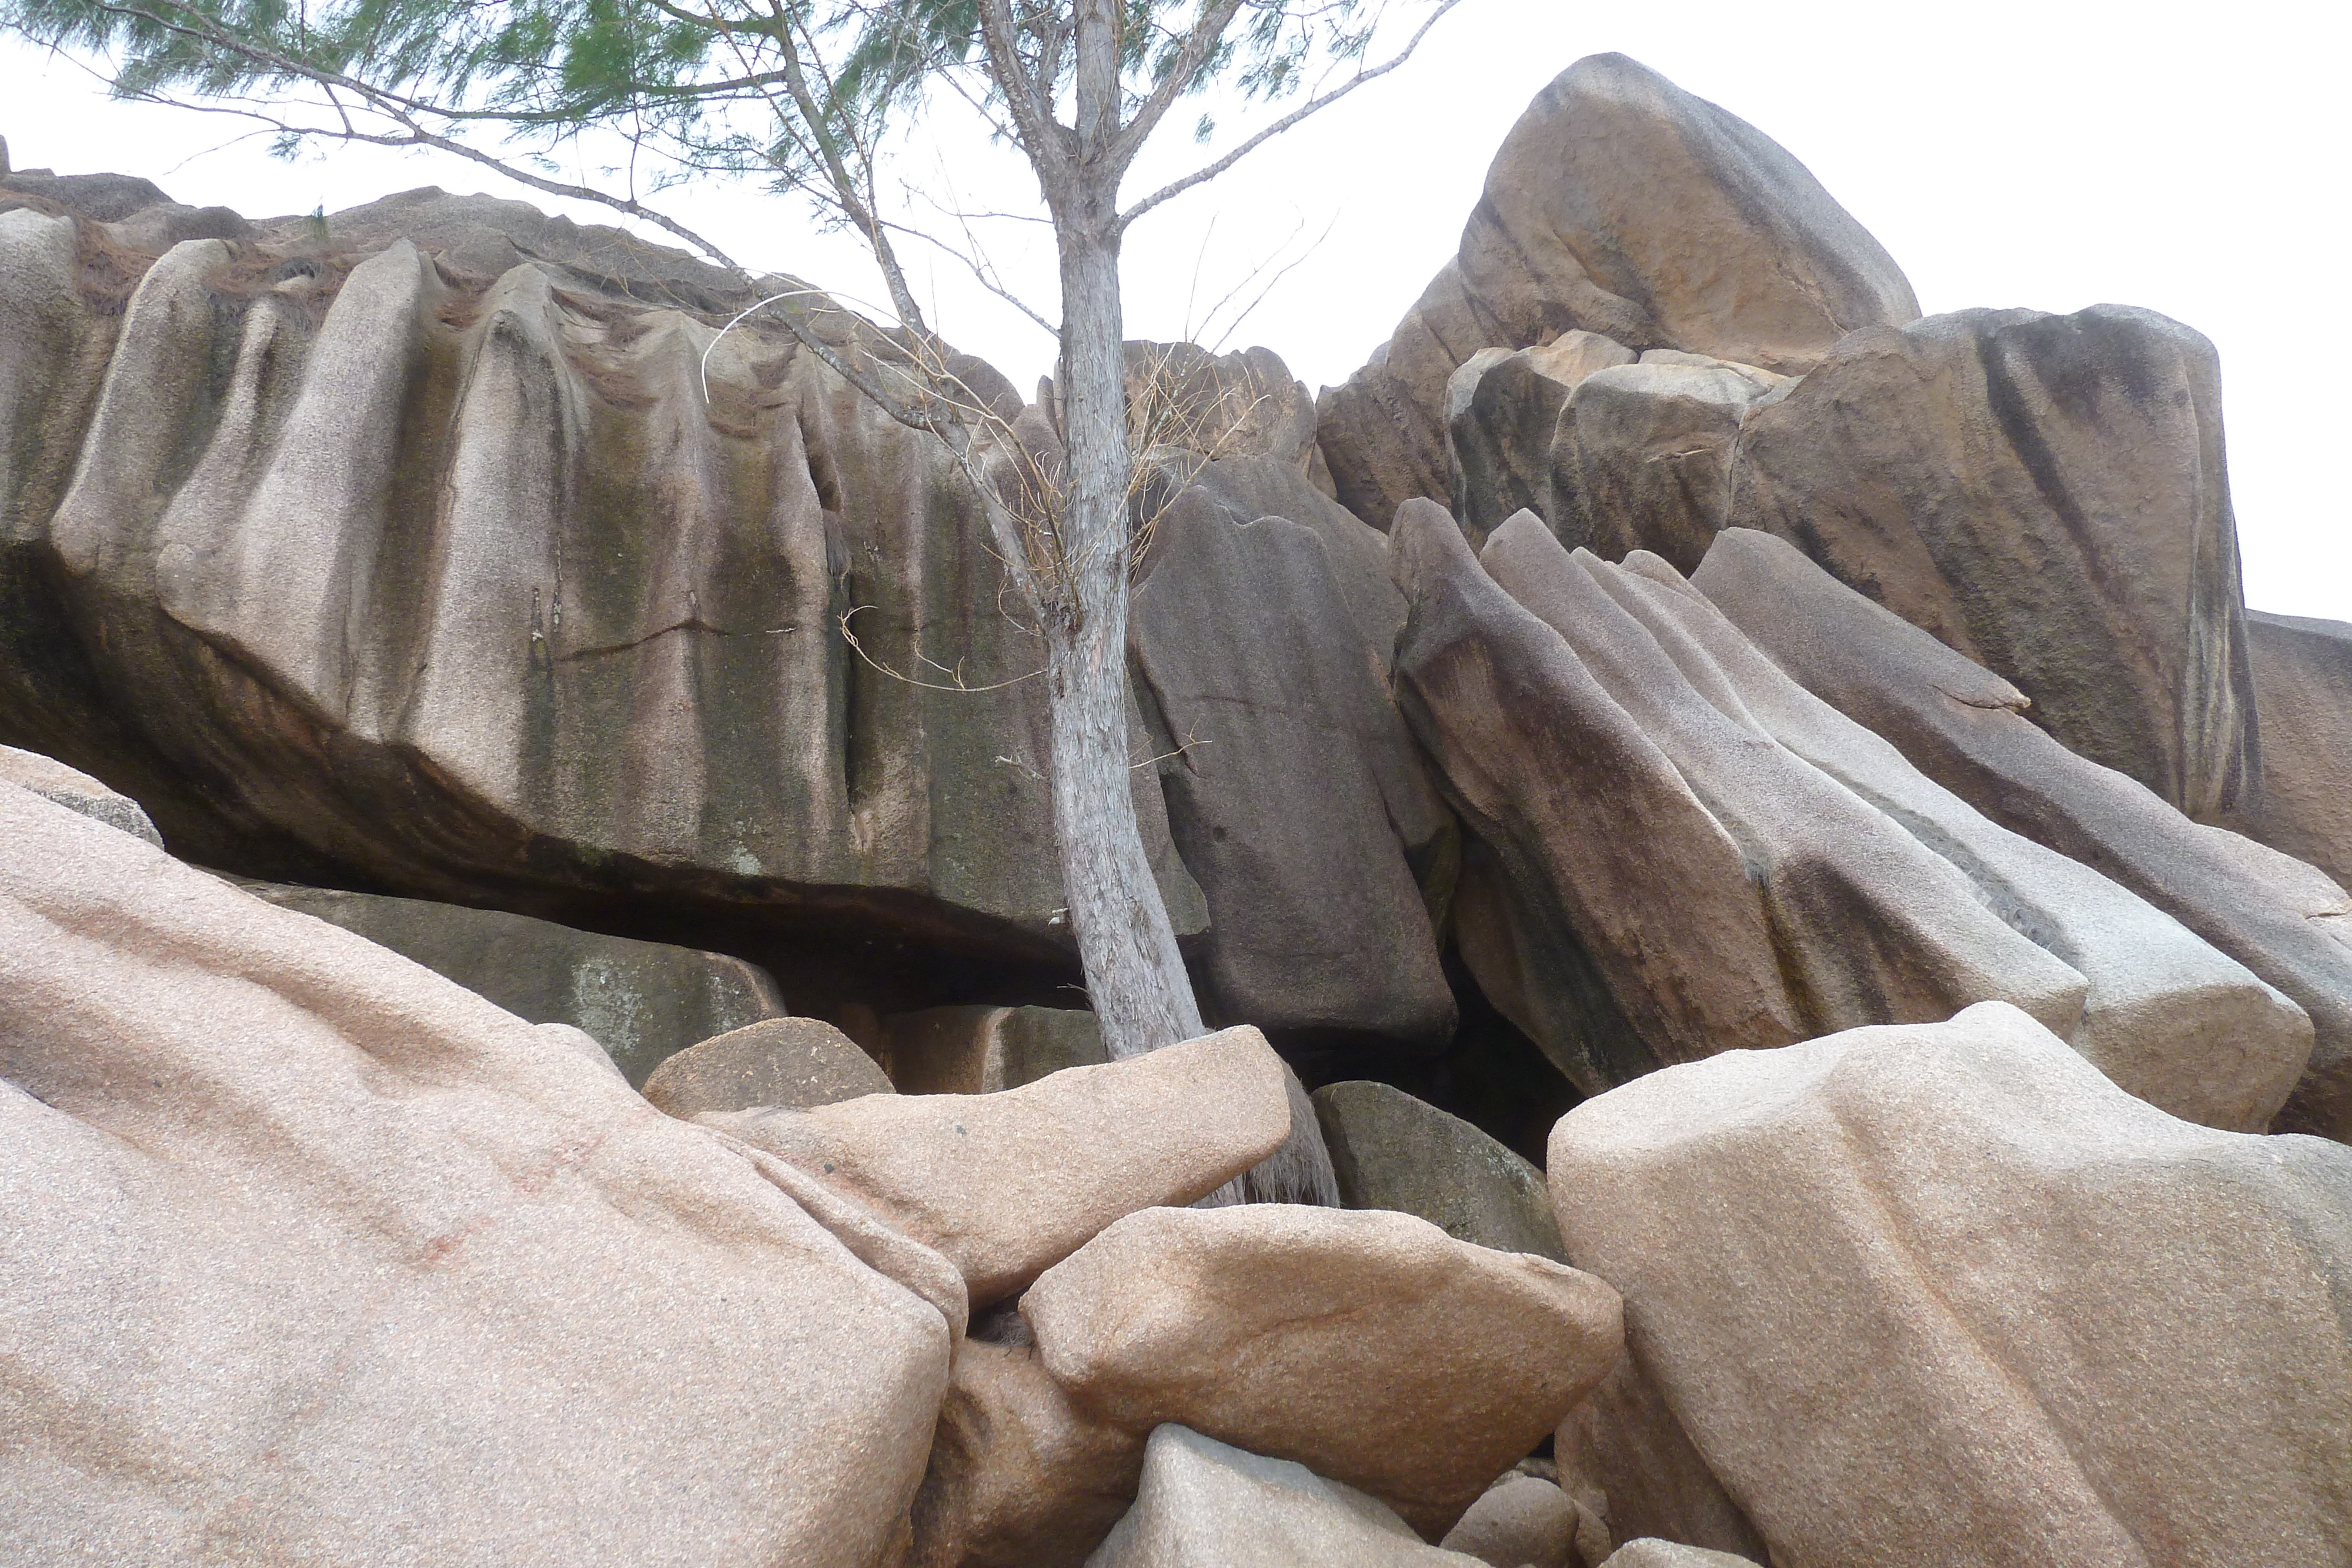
{"x":2165,"y":1014}
{"x":1651,"y":1553}
{"x":1622,"y":205}
{"x":1658,"y":875}
{"x":1392,"y":1151}
{"x":1625,"y":1459}
{"x":1204,"y":1504}
{"x":1642,"y":456}
{"x":1502,"y":415}
{"x":1290,"y":766}
{"x":1018,"y":1478}
{"x":108,"y":198}
{"x":2047,"y":494}
{"x":2303,"y":693}
{"x":1248,"y":488}
{"x":642,"y":1001}
{"x":1943,"y":1293}
{"x":313,"y":1254}
{"x":1007,"y":1184}
{"x":787,"y":1062}
{"x":76,"y":791}
{"x":1611,"y":874}
{"x":416,"y":559}
{"x":1826,"y":864}
{"x":1521,"y":1521}
{"x":981,"y":1049}
{"x":1370,"y":1347}
{"x":1963,"y":727}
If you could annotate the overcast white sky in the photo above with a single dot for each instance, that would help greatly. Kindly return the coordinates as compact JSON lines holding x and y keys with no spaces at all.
{"x":2051,"y":153}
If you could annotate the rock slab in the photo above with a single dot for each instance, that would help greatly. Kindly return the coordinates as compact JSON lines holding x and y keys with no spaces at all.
{"x":1370,"y":1346}
{"x":2047,"y":494}
{"x":2303,"y":693}
{"x":313,"y":1255}
{"x":1392,"y":1151}
{"x":1966,"y":727}
{"x":1621,"y":205}
{"x":1206,"y":1505}
{"x":1943,"y":1293}
{"x":1007,"y":1184}
{"x":792,"y":1062}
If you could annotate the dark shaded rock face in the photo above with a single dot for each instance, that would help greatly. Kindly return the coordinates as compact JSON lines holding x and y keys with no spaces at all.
{"x":2303,"y":689}
{"x":1392,"y":1151}
{"x":643,"y":1002}
{"x":1619,"y":204}
{"x":2046,"y":493}
{"x":1294,"y":792}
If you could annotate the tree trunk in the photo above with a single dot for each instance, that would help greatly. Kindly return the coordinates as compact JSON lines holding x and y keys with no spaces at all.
{"x":1134,"y":975}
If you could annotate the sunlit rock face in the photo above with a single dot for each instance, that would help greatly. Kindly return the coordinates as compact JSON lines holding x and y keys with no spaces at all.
{"x":1622,"y":206}
{"x":353,"y":563}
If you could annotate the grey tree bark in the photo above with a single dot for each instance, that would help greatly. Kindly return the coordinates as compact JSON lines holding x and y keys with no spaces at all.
{"x":1134,"y":972}
{"x":1134,"y":975}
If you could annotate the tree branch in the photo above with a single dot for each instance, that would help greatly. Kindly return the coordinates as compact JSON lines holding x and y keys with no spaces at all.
{"x":1028,"y":98}
{"x":1313,"y":106}
{"x":1199,"y":45}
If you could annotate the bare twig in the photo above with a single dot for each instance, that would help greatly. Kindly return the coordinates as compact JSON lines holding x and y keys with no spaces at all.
{"x":1307,"y":111}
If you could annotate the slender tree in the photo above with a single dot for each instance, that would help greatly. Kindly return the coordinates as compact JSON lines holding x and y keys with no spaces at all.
{"x":813,"y":96}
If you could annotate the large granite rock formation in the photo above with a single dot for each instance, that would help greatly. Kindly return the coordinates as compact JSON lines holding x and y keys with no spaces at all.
{"x":1685,"y":852}
{"x":1966,"y":728}
{"x":312,"y":1254}
{"x":413,"y":557}
{"x":2047,"y":494}
{"x":2165,"y":1014}
{"x":1622,"y":205}
{"x":1608,"y":872}
{"x":354,"y":563}
{"x":1943,"y":1294}
{"x":440,"y":548}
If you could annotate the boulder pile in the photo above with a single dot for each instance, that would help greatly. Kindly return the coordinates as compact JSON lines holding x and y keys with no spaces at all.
{"x":1812,"y":914}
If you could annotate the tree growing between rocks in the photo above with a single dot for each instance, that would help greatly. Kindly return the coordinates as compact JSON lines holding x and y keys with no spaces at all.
{"x":811,"y":96}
